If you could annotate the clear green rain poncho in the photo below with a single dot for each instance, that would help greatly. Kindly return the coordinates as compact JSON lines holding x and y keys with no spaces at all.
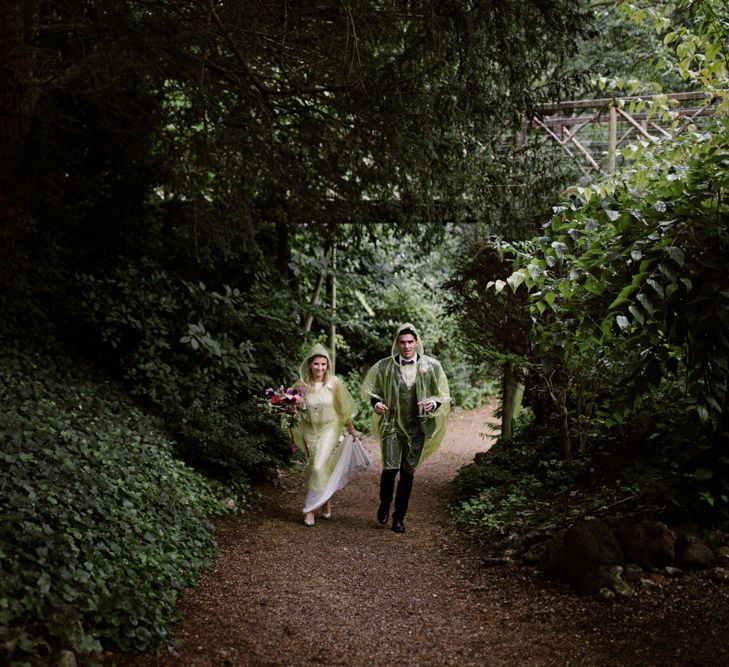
{"x":327,"y":408}
{"x":396,"y":428}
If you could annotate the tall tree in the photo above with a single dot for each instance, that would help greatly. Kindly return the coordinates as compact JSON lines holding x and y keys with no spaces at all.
{"x":267,"y":115}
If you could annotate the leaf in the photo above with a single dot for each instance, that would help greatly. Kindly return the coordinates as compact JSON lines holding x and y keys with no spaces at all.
{"x":657,"y":287}
{"x":714,"y":403}
{"x":499,"y":285}
{"x":559,"y":248}
{"x":635,"y":213}
{"x":637,"y":315}
{"x":623,"y":297}
{"x":668,"y":272}
{"x":676,"y":254}
{"x":516,"y":279}
{"x":622,"y":321}
{"x":535,"y":271}
{"x":646,"y":303}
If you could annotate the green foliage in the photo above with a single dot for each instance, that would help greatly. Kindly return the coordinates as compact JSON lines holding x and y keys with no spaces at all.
{"x":380,"y":285}
{"x":519,"y":486}
{"x":199,"y":357}
{"x":635,"y":276}
{"x":407,"y":106}
{"x":624,"y":294}
{"x":353,"y":382}
{"x":101,"y":529}
{"x":523,"y":487}
{"x":496,"y":324}
{"x":627,"y":54}
{"x":372,"y":112}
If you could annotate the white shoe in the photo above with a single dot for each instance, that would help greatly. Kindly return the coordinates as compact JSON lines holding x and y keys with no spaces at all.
{"x":324,"y":513}
{"x":309,"y":519}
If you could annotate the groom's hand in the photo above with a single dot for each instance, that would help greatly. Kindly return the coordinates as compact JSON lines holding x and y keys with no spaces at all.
{"x":380,"y":408}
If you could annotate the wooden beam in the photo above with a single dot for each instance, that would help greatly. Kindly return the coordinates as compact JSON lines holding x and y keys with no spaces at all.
{"x":637,"y":125}
{"x":605,"y":118}
{"x":608,"y":101}
{"x":584,"y":151}
{"x":706,"y":110}
{"x":554,"y":136}
{"x":660,"y":129}
{"x":625,"y":135}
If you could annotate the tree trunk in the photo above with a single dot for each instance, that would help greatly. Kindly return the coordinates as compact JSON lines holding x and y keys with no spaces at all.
{"x":314,"y":301}
{"x":508,"y":402}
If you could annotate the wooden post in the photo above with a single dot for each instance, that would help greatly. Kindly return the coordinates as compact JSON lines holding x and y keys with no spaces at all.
{"x":612,"y":139}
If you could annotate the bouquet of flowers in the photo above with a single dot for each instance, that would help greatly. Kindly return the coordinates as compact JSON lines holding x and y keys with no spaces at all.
{"x":286,"y":401}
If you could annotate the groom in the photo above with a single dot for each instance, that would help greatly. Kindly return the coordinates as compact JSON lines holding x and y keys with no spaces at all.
{"x":409,"y":394}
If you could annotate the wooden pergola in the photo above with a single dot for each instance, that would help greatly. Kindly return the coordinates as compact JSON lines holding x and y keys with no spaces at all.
{"x":598,"y":152}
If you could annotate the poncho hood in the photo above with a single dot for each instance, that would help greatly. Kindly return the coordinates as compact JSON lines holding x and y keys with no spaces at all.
{"x":317,"y":351}
{"x":419,"y":345}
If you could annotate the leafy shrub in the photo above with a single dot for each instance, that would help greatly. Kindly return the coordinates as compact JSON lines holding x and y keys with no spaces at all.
{"x":523,"y":485}
{"x":101,"y":528}
{"x":196,"y":356}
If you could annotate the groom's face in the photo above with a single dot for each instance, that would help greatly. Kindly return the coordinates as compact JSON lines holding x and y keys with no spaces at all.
{"x":407,"y":344}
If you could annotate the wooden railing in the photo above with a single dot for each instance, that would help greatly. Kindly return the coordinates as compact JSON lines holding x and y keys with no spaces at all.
{"x":613,"y":122}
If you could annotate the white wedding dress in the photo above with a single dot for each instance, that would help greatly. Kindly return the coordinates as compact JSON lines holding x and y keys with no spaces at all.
{"x":351,"y":459}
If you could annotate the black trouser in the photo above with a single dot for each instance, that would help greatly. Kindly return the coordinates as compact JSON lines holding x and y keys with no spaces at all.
{"x":404,"y":487}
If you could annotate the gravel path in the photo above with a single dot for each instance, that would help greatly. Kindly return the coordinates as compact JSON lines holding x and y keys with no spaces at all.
{"x":349,"y":592}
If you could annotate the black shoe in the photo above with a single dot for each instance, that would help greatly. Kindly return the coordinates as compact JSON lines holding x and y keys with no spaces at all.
{"x":383,"y":514}
{"x":398,"y":526}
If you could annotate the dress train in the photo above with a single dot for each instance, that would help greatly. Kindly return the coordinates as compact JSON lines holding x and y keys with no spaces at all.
{"x":352,"y":461}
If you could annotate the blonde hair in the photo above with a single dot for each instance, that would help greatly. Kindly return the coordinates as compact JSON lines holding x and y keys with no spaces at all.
{"x":309,"y":378}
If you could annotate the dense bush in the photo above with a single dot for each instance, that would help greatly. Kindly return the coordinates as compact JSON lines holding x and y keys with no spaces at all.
{"x":523,"y":486}
{"x":627,"y":296}
{"x":198,"y":357}
{"x":101,"y":528}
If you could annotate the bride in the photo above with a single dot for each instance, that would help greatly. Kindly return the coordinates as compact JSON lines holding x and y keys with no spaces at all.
{"x":327,"y":410}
